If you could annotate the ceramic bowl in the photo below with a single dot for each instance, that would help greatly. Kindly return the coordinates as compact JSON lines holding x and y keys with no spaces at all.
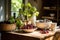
{"x":41,"y":25}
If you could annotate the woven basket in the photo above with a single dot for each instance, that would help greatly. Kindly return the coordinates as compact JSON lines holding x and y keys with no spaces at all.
{"x":7,"y":27}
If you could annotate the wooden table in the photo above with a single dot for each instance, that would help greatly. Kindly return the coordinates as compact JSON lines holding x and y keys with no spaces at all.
{"x":36,"y":35}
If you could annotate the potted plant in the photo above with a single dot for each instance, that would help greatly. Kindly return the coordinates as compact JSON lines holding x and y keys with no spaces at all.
{"x":29,"y":14}
{"x":8,"y":25}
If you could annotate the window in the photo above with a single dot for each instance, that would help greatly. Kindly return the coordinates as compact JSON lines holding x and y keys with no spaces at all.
{"x":15,"y":6}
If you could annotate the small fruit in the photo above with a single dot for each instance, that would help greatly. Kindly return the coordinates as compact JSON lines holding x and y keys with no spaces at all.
{"x":28,"y":26}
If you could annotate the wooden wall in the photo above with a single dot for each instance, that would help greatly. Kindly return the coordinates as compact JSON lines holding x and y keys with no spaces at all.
{"x":38,"y":5}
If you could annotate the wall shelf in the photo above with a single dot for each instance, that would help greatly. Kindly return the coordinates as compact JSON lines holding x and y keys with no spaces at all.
{"x":51,"y":6}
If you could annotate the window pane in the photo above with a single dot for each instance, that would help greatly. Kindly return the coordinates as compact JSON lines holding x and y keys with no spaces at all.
{"x":2,"y":10}
{"x":15,"y":6}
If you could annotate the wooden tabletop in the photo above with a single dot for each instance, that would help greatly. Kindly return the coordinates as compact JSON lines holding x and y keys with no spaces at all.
{"x":35,"y":34}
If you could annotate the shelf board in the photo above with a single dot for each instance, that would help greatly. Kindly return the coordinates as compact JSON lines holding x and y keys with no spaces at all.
{"x":49,"y":9}
{"x":51,"y":18}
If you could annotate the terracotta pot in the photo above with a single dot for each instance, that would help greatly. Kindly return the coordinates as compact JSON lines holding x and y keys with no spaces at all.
{"x":7,"y":27}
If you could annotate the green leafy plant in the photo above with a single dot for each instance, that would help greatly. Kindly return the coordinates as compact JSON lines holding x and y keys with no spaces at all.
{"x":29,"y":10}
{"x":19,"y":22}
{"x":11,"y":20}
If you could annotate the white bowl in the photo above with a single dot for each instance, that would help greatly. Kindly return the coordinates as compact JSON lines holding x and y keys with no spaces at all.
{"x":52,"y":15}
